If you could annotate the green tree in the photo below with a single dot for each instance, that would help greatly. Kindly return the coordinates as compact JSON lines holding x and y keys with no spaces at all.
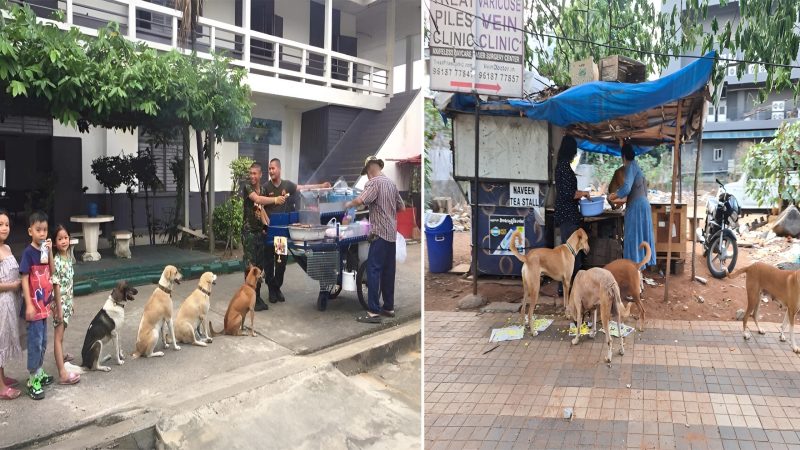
{"x":568,"y":30}
{"x":111,"y":82}
{"x":772,"y":168}
{"x":229,"y":216}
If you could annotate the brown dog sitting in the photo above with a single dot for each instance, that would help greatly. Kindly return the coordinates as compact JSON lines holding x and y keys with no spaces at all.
{"x":243,"y":301}
{"x":157,"y":313}
{"x":616,"y":182}
{"x":629,"y":279}
{"x":556,"y":263}
{"x":782,"y":285}
{"x":596,"y":289}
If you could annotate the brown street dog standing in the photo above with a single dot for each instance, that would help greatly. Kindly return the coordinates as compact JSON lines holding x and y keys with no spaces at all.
{"x":243,"y":301}
{"x":193,"y":312}
{"x":157,"y":312}
{"x":557,"y":263}
{"x":781,"y":285}
{"x":629,"y":279}
{"x":596,"y":289}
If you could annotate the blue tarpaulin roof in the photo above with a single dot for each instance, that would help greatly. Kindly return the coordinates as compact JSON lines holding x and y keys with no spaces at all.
{"x":600,"y":101}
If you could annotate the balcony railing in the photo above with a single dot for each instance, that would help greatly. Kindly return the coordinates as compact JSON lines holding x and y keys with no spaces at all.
{"x":259,"y":53}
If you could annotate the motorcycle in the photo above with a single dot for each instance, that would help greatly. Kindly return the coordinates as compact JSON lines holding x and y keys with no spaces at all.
{"x":718,"y":238}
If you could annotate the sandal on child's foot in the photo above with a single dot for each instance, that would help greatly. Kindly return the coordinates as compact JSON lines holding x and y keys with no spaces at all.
{"x":73,"y":378}
{"x":9,"y":393}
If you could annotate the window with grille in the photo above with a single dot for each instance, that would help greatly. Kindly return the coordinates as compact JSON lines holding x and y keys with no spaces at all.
{"x":778,"y":115}
{"x":722,"y":111}
{"x":779,"y":105}
{"x":163,"y":154}
{"x":712,"y":113}
{"x":717,"y":154}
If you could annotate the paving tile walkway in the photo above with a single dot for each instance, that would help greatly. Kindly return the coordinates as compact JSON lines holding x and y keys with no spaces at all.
{"x":680,"y":385}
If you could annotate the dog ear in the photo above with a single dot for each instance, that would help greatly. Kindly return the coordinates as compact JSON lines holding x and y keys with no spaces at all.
{"x":118,"y":293}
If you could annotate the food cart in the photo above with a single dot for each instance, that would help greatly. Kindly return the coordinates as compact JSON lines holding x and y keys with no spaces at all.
{"x":326,"y":250}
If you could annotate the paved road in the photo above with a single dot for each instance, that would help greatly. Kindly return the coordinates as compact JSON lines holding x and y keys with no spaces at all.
{"x":679,"y":385}
{"x":286,"y":330}
{"x":318,"y":408}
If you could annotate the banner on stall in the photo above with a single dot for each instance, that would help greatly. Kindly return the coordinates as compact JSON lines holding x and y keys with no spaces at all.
{"x":501,"y":227}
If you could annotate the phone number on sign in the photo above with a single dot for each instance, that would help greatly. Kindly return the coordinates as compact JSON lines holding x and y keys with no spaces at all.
{"x":492,"y":76}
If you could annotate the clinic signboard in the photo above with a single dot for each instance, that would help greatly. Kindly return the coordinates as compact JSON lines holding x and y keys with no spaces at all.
{"x":477,"y":46}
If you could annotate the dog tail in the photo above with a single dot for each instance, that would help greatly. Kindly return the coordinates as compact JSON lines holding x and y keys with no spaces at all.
{"x":617,"y":307}
{"x":647,"y":254}
{"x":512,"y":245}
{"x":735,"y":273}
{"x":211,"y":329}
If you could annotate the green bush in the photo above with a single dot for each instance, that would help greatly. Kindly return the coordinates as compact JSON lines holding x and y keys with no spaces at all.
{"x":228,"y":221}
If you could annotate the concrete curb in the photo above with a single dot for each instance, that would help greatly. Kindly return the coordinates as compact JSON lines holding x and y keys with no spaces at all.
{"x":140,"y":424}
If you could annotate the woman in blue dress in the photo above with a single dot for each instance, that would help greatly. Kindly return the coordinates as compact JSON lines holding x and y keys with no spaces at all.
{"x":638,"y":221}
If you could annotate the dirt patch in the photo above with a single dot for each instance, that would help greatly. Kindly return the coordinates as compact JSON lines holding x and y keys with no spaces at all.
{"x":721,"y":298}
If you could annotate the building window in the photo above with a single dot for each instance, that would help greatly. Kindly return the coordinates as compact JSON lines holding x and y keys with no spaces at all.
{"x":722,"y":111}
{"x":717,"y":154}
{"x":712,"y":113}
{"x":163,"y":154}
{"x":777,"y":116}
{"x":778,"y":105}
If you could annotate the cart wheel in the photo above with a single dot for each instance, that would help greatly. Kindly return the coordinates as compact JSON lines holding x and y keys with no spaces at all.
{"x":361,"y":285}
{"x":322,"y":301}
{"x":336,"y":290}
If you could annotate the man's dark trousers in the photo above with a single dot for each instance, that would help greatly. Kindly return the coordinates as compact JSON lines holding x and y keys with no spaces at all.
{"x":381,"y":268}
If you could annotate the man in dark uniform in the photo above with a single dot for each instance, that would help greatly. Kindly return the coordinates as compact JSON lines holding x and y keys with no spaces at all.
{"x":277,"y":188}
{"x":253,"y":196}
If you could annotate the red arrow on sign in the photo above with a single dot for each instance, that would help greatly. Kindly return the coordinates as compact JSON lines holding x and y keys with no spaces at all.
{"x":494,"y":87}
{"x":463,"y":84}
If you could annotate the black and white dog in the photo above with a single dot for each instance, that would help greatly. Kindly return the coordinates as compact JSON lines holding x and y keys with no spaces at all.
{"x":103,"y":328}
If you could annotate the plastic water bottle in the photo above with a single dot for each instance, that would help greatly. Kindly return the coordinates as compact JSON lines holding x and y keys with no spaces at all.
{"x":43,"y":253}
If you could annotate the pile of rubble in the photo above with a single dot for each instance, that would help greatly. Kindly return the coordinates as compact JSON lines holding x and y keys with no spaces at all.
{"x":462,"y":217}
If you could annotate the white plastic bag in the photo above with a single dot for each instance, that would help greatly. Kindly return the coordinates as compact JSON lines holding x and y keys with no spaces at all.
{"x":400,"y":249}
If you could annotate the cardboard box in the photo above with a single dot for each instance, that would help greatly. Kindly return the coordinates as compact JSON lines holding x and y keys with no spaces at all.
{"x":583,"y":71}
{"x":622,"y":69}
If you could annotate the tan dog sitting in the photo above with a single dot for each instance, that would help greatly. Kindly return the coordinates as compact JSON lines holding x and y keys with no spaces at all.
{"x":616,"y":182}
{"x":629,"y":279}
{"x":193,"y":313}
{"x":557,"y":263}
{"x":596,"y":289}
{"x":158,"y":312}
{"x":781,"y":285}
{"x":243,"y":301}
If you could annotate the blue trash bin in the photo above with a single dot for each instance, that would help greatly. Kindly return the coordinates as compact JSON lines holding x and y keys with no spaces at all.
{"x":439,"y":241}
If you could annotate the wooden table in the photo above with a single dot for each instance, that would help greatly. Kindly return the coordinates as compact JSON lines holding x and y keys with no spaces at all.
{"x":91,"y":233}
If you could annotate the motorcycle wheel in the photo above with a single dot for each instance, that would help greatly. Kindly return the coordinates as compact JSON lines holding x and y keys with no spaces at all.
{"x":718,"y":261}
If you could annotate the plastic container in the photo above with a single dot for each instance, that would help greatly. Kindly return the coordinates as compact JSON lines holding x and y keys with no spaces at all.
{"x":349,"y":281}
{"x":593,"y":207}
{"x":279,"y":224}
{"x":406,"y":222}
{"x":439,"y":242}
{"x":92,"y":209}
